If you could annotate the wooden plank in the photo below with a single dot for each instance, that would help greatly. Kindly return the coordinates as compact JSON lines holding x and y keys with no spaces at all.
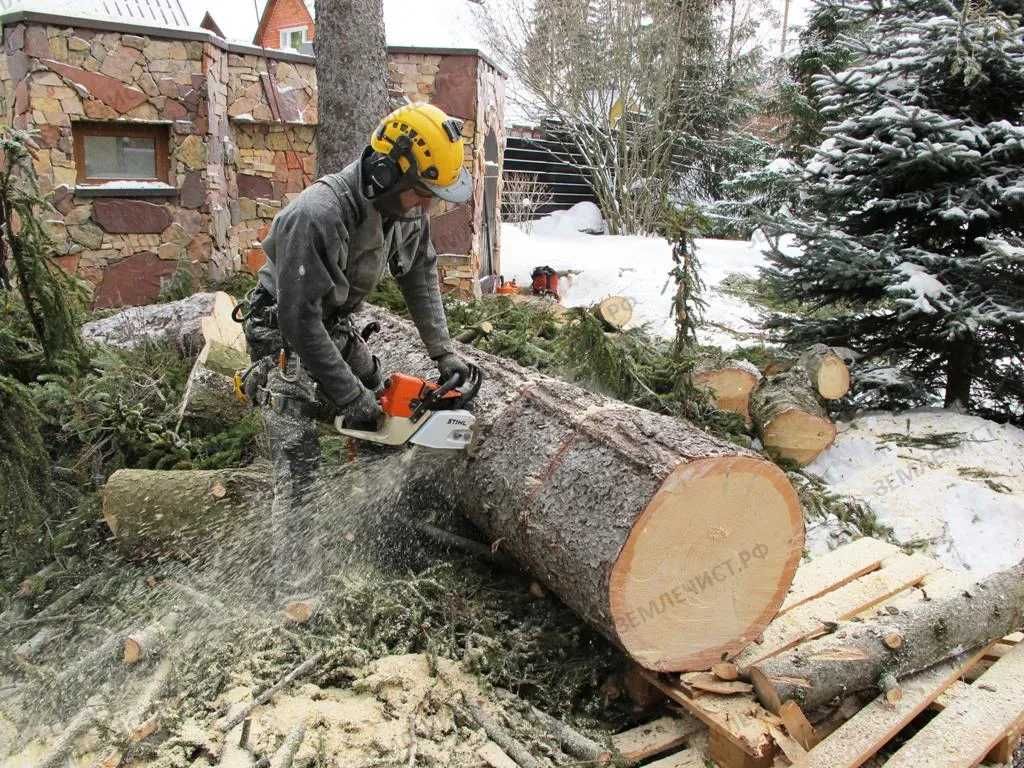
{"x":971,"y":726}
{"x":809,"y":620}
{"x":797,"y":725}
{"x":726,"y":754}
{"x":860,"y":737}
{"x":655,"y":737}
{"x":838,"y":567}
{"x":688,"y":758}
{"x":739,"y":719}
{"x":1004,"y":749}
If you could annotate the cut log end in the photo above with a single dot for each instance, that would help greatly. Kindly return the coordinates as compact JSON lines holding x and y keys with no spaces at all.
{"x":731,"y":387}
{"x":300,"y":611}
{"x":833,"y":378}
{"x":685,"y":609}
{"x":798,"y":435}
{"x":132,"y":651}
{"x":615,"y":312}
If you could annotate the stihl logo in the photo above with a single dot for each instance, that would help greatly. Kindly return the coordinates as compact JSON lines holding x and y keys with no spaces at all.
{"x":459,"y":422}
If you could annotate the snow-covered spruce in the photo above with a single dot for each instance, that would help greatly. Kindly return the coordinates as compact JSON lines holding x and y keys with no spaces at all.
{"x":912,"y":206}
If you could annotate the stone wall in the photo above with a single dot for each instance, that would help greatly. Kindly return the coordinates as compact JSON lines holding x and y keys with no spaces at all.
{"x":468,"y":87}
{"x":241,"y":143}
{"x":224,"y":114}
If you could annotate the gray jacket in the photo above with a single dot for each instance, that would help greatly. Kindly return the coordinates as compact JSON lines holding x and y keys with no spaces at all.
{"x":326,"y":251}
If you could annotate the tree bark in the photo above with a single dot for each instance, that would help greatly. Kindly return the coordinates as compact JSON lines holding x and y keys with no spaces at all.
{"x":860,"y":656}
{"x":153,"y":508}
{"x":187,"y":324}
{"x":352,"y":75}
{"x":790,"y":419}
{"x":959,"y":373}
{"x":643,"y":524}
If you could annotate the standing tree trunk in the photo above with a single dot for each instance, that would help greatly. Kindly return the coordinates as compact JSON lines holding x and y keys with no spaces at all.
{"x":351,"y":72}
{"x":959,"y":364}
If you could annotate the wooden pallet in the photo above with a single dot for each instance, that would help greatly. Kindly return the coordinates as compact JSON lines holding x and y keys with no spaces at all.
{"x":981,"y":695}
{"x":666,"y":739}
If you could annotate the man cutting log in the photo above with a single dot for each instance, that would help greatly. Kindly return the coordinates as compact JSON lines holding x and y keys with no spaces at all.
{"x":325,"y":252}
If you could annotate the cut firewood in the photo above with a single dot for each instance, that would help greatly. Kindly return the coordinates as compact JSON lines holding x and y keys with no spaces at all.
{"x":615,"y":312}
{"x":731,"y":383}
{"x":58,"y":753}
{"x":790,"y":419}
{"x":855,"y":657}
{"x":827,"y":371}
{"x":148,"y":642}
{"x":147,"y":509}
{"x":210,"y":400}
{"x":187,"y":324}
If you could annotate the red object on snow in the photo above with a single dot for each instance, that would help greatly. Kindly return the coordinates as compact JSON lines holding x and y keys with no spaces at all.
{"x":545,"y":282}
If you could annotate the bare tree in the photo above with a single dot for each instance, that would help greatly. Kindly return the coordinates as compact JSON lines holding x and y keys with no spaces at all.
{"x":620,"y":81}
{"x":351,"y":71}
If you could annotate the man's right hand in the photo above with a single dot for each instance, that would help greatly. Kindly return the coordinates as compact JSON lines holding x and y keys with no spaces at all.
{"x":363,"y":413}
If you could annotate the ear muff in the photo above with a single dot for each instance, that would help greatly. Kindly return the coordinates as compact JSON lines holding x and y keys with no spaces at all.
{"x":383,"y":172}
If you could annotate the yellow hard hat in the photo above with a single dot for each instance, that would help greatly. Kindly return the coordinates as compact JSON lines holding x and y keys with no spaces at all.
{"x":421,"y":133}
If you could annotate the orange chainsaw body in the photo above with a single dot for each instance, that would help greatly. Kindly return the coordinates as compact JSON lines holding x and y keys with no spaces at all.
{"x":402,"y":393}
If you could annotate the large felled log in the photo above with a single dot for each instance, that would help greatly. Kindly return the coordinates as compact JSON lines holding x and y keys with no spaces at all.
{"x":188,"y":324}
{"x":731,"y":383}
{"x":860,"y":656}
{"x":677,"y":546}
{"x":790,"y":419}
{"x":209,"y":398}
{"x":148,"y":508}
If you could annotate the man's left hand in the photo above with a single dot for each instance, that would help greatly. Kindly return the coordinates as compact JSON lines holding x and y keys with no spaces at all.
{"x":451,"y":364}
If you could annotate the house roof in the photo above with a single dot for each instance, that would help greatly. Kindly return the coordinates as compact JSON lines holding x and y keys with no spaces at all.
{"x":163,"y":13}
{"x":407,"y":23}
{"x":258,"y":35}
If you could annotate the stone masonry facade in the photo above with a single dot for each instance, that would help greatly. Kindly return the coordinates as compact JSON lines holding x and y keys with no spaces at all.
{"x":241,"y":138}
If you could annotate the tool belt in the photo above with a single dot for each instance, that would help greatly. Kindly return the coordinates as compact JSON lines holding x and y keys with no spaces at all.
{"x":281,"y":382}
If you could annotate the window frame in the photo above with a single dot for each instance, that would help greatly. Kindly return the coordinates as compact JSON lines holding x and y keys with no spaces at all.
{"x":286,"y":32}
{"x":157,"y":131}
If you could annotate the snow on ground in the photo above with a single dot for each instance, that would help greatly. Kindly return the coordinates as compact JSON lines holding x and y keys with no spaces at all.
{"x":635,"y":267}
{"x":964,"y":501}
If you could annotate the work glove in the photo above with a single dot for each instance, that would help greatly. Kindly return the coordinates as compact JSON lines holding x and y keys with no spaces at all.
{"x":362,"y":413}
{"x":450,"y":364}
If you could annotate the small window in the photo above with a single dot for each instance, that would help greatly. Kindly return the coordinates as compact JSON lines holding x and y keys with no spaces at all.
{"x":293,"y":37}
{"x":120,"y":152}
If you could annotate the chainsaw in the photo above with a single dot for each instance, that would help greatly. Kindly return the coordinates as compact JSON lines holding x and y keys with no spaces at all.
{"x":421,"y":412}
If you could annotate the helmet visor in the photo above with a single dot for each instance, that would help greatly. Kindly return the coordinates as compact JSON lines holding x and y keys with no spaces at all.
{"x":459,"y":191}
